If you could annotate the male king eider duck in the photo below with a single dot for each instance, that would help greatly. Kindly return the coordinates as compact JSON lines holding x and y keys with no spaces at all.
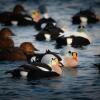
{"x":40,"y":22}
{"x":76,"y":39}
{"x":38,"y":56}
{"x":49,"y":33}
{"x":48,"y":68}
{"x":87,"y":16}
{"x":17,"y":17}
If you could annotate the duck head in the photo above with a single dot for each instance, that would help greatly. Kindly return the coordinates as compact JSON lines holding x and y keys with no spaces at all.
{"x":28,"y":48}
{"x":70,"y":59}
{"x":42,"y":8}
{"x":36,"y":15}
{"x":6,"y":32}
{"x":18,"y":9}
{"x":53,"y":62}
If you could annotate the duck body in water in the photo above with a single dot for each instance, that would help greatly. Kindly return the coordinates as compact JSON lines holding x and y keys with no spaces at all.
{"x":49,"y":68}
{"x":85,"y":15}
{"x":17,"y":17}
{"x":49,"y":33}
{"x":76,"y":39}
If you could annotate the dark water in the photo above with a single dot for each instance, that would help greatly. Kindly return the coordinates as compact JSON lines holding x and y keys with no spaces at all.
{"x":82,"y":83}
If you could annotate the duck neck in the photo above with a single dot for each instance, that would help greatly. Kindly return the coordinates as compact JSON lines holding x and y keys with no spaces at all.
{"x":57,"y":69}
{"x":46,"y":15}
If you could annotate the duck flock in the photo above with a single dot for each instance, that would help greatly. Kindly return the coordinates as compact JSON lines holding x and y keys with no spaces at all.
{"x":49,"y":63}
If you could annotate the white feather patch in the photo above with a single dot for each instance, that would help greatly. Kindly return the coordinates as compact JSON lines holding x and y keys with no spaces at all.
{"x":28,"y":18}
{"x":46,"y":16}
{"x":54,"y":24}
{"x":43,"y":69}
{"x":69,"y":41}
{"x":48,"y":37}
{"x":24,"y":73}
{"x":33,"y":59}
{"x":14,"y":23}
{"x":83,"y":20}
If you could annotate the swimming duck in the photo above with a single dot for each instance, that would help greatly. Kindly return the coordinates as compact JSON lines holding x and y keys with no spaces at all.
{"x":85,"y":16}
{"x":49,"y":68}
{"x":49,"y":33}
{"x":38,"y":56}
{"x":70,"y":59}
{"x":76,"y":39}
{"x":17,"y":17}
{"x":41,"y":22}
{"x":17,"y":53}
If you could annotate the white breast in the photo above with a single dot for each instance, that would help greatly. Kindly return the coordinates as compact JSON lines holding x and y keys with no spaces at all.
{"x":14,"y":23}
{"x":83,"y":20}
{"x":47,"y":37}
{"x":24,"y":73}
{"x":69,"y":41}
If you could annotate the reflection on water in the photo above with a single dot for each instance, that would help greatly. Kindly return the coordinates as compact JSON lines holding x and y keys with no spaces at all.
{"x":81,"y":83}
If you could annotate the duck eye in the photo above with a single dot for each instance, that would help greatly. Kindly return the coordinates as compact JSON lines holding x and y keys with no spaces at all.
{"x":79,"y":27}
{"x":69,"y":51}
{"x":53,"y":58}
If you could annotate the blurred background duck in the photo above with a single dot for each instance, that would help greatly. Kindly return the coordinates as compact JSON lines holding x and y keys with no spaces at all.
{"x":5,"y":38}
{"x":6,"y":32}
{"x":17,"y":17}
{"x":48,"y":68}
{"x":49,"y":33}
{"x":41,"y":18}
{"x":88,"y":16}
{"x":76,"y":39}
{"x":12,"y":53}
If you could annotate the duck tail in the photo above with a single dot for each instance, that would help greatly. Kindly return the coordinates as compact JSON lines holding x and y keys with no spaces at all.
{"x":8,"y":72}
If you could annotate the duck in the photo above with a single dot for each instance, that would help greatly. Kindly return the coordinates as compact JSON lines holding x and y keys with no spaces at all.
{"x":70,"y":59}
{"x":75,"y":39}
{"x":44,"y":69}
{"x":17,"y":17}
{"x":38,"y":56}
{"x":41,"y":21}
{"x":49,"y":33}
{"x":85,"y":16}
{"x":17,"y":53}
